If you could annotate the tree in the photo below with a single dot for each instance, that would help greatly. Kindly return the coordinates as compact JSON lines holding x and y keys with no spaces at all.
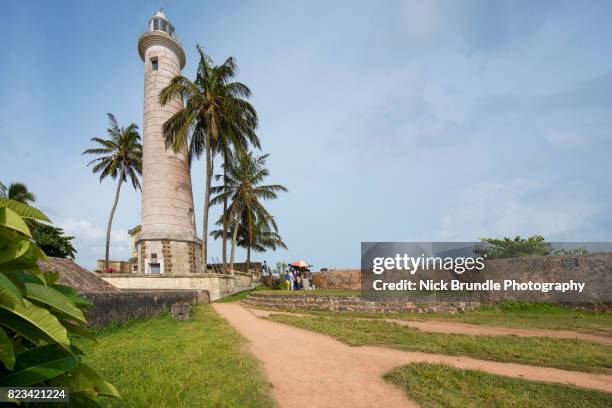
{"x":18,"y":192}
{"x":215,"y":117}
{"x":510,"y":248}
{"x":244,"y":191}
{"x":120,"y":158}
{"x":39,"y":317}
{"x":264,"y":235}
{"x":52,"y":240}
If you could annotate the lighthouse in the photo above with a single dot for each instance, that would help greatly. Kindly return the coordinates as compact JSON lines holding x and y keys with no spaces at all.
{"x":167,"y":243}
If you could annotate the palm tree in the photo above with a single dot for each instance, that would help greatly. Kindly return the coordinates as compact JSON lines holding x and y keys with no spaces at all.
{"x":18,"y":192}
{"x":215,"y":117}
{"x":121,"y":155}
{"x":244,"y":191}
{"x":264,"y":235}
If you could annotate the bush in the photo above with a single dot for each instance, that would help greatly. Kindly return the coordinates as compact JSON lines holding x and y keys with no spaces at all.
{"x":38,"y":317}
{"x":274,"y":282}
{"x":510,"y":248}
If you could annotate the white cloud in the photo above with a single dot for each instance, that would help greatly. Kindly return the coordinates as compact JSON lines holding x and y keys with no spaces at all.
{"x":90,"y":241}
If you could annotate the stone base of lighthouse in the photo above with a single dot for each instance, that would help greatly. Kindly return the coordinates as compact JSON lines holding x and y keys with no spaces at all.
{"x":169,"y":257}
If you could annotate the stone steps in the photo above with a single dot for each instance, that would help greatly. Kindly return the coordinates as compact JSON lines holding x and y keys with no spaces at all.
{"x":352,"y":304}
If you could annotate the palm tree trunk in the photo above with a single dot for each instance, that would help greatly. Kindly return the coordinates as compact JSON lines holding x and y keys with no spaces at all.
{"x":110,"y":218}
{"x":248,"y":265}
{"x":224,"y":250}
{"x":209,"y":171}
{"x":233,"y":247}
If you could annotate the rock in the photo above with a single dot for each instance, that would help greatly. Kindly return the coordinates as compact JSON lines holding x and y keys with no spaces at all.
{"x":180,"y":311}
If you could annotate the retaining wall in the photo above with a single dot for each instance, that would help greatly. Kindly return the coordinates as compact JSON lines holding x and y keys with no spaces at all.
{"x":116,"y":307}
{"x":350,"y":304}
{"x":217,"y":285}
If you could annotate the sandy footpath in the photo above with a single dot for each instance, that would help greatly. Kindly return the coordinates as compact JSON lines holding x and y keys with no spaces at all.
{"x":310,"y":369}
{"x":476,"y":329}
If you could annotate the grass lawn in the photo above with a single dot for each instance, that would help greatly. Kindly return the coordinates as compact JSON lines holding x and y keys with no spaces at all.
{"x":160,"y":362}
{"x":568,"y":354}
{"x":241,"y":295}
{"x":437,"y":385}
{"x":507,"y":314}
{"x":530,"y":315}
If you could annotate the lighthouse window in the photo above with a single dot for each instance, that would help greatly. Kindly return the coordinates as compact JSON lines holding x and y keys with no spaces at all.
{"x":154,"y":64}
{"x":162,"y":25}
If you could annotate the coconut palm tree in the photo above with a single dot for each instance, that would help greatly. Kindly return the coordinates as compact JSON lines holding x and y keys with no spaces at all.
{"x":263,"y":235}
{"x":18,"y":192}
{"x":215,"y":117}
{"x":244,"y":191}
{"x":120,"y":157}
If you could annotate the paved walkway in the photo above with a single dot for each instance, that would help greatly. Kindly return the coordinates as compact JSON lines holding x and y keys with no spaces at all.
{"x":328,"y":373}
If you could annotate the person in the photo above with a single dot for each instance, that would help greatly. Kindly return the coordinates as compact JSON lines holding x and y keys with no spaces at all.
{"x":264,"y":269}
{"x":289,"y":276}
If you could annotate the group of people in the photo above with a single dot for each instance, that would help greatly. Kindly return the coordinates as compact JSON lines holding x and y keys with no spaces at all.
{"x":297,"y":280}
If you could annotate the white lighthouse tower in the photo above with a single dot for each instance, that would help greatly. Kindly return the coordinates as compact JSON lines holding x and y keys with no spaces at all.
{"x":167,"y":243}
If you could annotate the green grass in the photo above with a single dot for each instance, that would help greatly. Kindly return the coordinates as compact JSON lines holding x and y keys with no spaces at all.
{"x":568,"y":354}
{"x":506,"y":314}
{"x":241,"y":295}
{"x":437,"y":385}
{"x":160,"y":362}
{"x":531,"y":316}
{"x":320,"y":292}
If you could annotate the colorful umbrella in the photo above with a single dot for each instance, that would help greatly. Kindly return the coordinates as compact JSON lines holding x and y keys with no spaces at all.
{"x":300,"y":264}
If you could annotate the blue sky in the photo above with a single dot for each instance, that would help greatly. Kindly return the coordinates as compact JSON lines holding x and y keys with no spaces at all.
{"x":387,"y":121}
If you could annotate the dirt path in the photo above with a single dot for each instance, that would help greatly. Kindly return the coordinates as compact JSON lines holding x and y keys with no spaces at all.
{"x":478,"y":330}
{"x":332,"y":373}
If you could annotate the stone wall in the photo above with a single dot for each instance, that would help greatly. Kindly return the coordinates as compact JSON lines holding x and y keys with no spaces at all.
{"x":116,"y":307}
{"x":218,"y":285}
{"x":595,"y":270}
{"x":304,"y":301}
{"x":345,"y":279}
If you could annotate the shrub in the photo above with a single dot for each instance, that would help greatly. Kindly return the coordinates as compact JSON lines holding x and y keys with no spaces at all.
{"x":510,"y":248}
{"x":38,"y":317}
{"x":273,"y":282}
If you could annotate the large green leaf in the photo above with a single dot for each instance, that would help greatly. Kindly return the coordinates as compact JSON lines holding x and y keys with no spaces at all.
{"x":72,"y":294}
{"x":7,"y":352}
{"x":54,"y":299}
{"x":79,"y":330}
{"x":51,"y":277}
{"x":8,"y":290}
{"x":10,"y":219}
{"x":25,"y":329}
{"x":24,"y":210}
{"x":16,"y":254}
{"x":42,"y":319}
{"x":102,"y":387}
{"x":39,"y":364}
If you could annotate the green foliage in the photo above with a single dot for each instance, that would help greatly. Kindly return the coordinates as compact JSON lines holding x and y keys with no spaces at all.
{"x":510,"y":248}
{"x":52,"y":240}
{"x":281,"y":267}
{"x":439,"y":385}
{"x":37,"y":316}
{"x":273,"y":282}
{"x":567,"y":354}
{"x":120,"y":155}
{"x":253,"y":227}
{"x":163,"y":363}
{"x":17,"y":192}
